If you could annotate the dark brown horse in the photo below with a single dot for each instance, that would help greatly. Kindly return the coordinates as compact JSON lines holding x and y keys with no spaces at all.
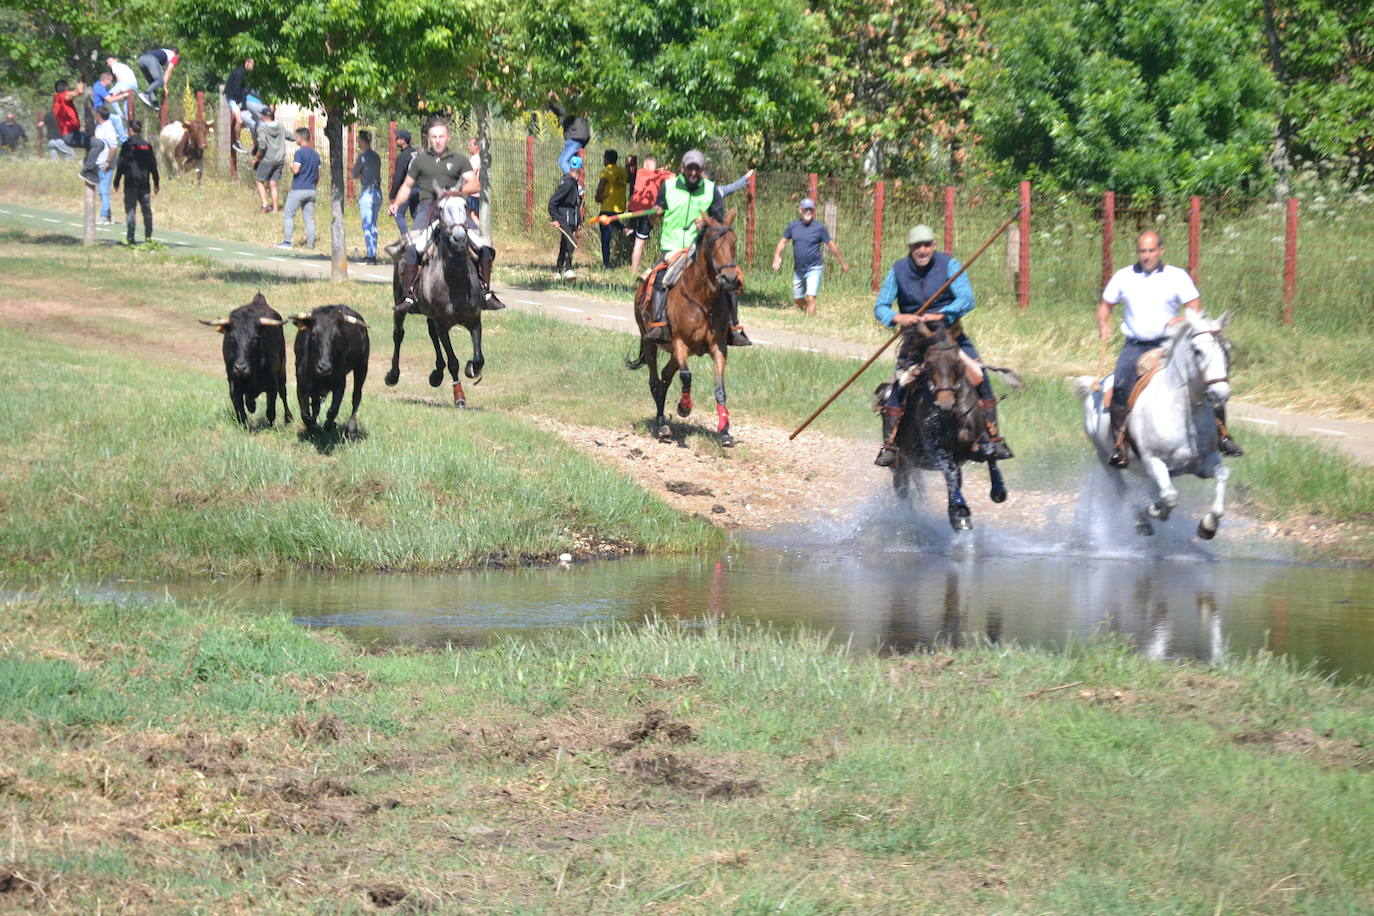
{"x":942,"y":425}
{"x":699,"y":309}
{"x":448,"y":292}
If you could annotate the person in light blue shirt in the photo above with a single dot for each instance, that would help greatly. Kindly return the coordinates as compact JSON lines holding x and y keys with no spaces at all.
{"x":909,"y":284}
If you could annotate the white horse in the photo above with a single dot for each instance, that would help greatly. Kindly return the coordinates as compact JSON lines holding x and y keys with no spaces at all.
{"x":1173,"y":423}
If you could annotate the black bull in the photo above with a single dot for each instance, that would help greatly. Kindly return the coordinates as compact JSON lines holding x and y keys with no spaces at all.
{"x":254,"y":358}
{"x":331,"y":343}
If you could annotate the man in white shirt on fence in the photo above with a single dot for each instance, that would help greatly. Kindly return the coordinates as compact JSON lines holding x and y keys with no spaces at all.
{"x":1154,"y":293}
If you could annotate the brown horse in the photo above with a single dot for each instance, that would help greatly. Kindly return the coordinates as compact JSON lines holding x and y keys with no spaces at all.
{"x":699,"y":309}
{"x":941,"y":427}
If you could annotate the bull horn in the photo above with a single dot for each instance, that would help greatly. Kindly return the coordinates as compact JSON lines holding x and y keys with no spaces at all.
{"x":301,"y":316}
{"x":220,"y":323}
{"x":355,"y":320}
{"x":270,"y":322}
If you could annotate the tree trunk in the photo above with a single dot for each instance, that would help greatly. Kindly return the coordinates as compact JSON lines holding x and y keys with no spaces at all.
{"x":482,"y":115}
{"x":333,"y":132}
{"x":1279,"y":157}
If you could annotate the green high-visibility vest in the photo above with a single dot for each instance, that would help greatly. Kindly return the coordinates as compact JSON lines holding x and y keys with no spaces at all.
{"x":679,"y":222}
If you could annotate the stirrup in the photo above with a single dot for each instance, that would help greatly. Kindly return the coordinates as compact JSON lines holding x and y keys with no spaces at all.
{"x":658,"y":332}
{"x":1229,"y":447}
{"x":490,"y":303}
{"x":887,"y":456}
{"x":738,"y":338}
{"x":1119,"y":459}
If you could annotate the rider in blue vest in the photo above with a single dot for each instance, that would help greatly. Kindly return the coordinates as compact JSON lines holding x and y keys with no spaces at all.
{"x":908,"y":285}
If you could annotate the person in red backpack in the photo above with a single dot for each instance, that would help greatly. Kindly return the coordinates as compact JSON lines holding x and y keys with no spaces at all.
{"x":648,"y":179}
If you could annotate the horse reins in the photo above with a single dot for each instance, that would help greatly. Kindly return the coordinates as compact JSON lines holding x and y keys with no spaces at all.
{"x":718,"y":232}
{"x":1222,"y":341}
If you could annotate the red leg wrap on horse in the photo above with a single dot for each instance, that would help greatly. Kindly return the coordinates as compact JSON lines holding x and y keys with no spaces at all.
{"x":458,"y":395}
{"x":685,"y":403}
{"x":722,"y":418}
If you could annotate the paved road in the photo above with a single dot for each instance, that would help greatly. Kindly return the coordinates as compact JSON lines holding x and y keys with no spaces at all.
{"x":1355,"y":438}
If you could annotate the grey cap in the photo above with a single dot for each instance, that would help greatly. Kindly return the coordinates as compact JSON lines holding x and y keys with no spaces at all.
{"x":920,"y":233}
{"x":694,"y":157}
{"x":806,"y":204}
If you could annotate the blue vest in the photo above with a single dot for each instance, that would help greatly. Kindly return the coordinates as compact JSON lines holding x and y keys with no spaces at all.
{"x":913,"y":289}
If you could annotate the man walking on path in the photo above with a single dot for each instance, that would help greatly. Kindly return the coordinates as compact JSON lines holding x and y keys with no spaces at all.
{"x":610,"y":194}
{"x":157,"y":66}
{"x":908,"y":285}
{"x":405,"y":152}
{"x":137,"y":167}
{"x":1153,"y":292}
{"x":12,"y":135}
{"x":368,"y":170}
{"x":808,"y":265}
{"x":577,"y":133}
{"x":271,"y":146}
{"x":305,"y":169}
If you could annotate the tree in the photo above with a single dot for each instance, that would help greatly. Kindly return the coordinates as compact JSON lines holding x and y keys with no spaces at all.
{"x":1322,"y":55}
{"x":894,"y":75}
{"x":41,"y":37}
{"x":1139,"y":96}
{"x":677,"y":72}
{"x":331,"y":54}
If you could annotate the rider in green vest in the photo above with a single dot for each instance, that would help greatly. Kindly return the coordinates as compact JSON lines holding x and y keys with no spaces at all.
{"x":683,"y":201}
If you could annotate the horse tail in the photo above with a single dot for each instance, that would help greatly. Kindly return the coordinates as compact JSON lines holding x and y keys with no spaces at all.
{"x":1083,"y":386}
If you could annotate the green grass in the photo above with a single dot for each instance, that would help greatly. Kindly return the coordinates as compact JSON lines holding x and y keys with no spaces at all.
{"x":199,"y":742}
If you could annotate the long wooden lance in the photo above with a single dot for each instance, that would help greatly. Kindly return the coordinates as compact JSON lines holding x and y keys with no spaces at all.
{"x":605,"y":219}
{"x":901,"y":330}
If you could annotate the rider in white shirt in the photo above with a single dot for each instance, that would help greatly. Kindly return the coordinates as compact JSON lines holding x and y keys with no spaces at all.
{"x":1154,"y":293}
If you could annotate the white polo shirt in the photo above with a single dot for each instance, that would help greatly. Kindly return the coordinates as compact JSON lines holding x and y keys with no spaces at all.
{"x":1152,"y":300}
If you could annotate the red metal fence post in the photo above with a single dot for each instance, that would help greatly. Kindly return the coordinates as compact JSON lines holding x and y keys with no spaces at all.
{"x":812,"y":185}
{"x":949,"y":218}
{"x":39,"y":131}
{"x":200,"y":104}
{"x":1194,"y":232}
{"x":529,"y":183}
{"x":879,"y":199}
{"x":312,"y":131}
{"x":751,"y":225}
{"x":1108,"y":234}
{"x":128,"y":109}
{"x":1023,"y":297}
{"x":391,"y":146}
{"x":1290,"y":261}
{"x":348,"y":163}
{"x":162,"y":112}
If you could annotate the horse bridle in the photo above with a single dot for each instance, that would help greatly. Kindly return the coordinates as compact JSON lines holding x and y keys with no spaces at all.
{"x":715,"y":232}
{"x":936,"y":389}
{"x":1216,"y":332}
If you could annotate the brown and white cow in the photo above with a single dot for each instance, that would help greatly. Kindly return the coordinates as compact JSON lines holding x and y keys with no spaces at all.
{"x":183,"y":145}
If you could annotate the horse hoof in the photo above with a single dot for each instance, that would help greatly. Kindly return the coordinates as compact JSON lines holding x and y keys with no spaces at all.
{"x":665,"y":433}
{"x":1144,"y":528}
{"x":472,"y":373}
{"x":960,"y":523}
{"x":436,"y":378}
{"x":727,"y":440}
{"x":392,"y":377}
{"x":998,"y":496}
{"x":684,"y":410}
{"x":1204,"y":532}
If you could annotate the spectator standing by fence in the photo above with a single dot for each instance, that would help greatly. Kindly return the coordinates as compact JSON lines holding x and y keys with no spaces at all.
{"x":368,"y":170}
{"x":12,"y":135}
{"x":405,"y":152}
{"x":610,"y":194}
{"x":157,"y":66}
{"x":808,"y":263}
{"x":565,"y":208}
{"x":475,"y":163}
{"x":100,"y":160}
{"x":305,"y":169}
{"x":270,"y":143}
{"x":647,"y":182}
{"x":577,"y":133}
{"x":137,"y":168}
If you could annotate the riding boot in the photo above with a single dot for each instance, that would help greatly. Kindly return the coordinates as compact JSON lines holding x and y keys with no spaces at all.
{"x":737,"y":335}
{"x":993,"y":446}
{"x":410,"y":275}
{"x":658,"y":322}
{"x":489,"y":301}
{"x":887,"y":455}
{"x":1119,"y":458}
{"x":1225,"y":444}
